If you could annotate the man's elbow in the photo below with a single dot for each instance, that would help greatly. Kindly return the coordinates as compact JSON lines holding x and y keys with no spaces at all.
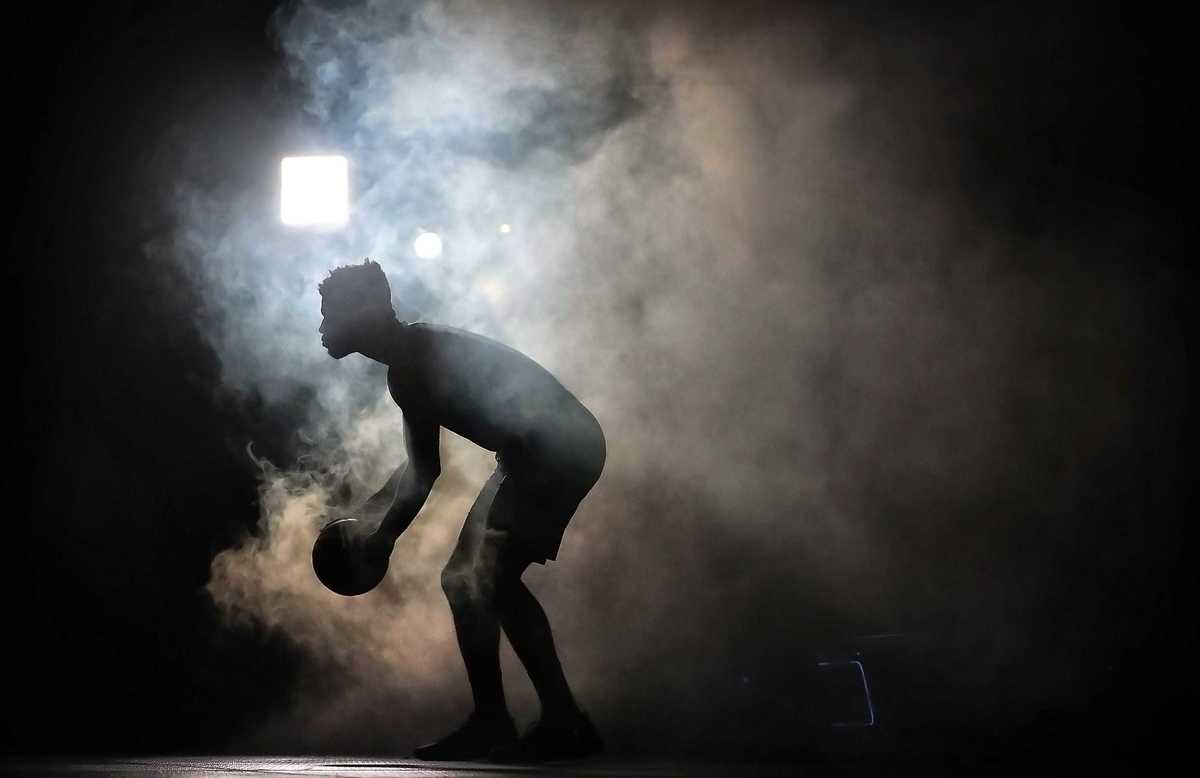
{"x":425,"y":477}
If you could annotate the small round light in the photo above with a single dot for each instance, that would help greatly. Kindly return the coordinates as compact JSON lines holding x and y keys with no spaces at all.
{"x":505,"y":228}
{"x":428,"y":245}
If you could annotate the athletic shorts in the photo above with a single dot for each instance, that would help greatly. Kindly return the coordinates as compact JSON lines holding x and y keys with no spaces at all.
{"x":538,"y":485}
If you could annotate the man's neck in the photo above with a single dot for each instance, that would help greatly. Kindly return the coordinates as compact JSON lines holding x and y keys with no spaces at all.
{"x":390,"y":345}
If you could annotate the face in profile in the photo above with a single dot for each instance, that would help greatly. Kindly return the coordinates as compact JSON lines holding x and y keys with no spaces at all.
{"x":336,"y":332}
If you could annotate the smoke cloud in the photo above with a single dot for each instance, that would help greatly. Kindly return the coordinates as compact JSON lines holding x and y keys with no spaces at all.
{"x":838,"y":398}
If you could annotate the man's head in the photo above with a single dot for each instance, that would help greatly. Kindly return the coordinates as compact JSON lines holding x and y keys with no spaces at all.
{"x":356,"y":308}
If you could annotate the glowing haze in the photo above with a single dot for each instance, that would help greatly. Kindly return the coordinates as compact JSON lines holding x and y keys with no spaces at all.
{"x":801,"y":352}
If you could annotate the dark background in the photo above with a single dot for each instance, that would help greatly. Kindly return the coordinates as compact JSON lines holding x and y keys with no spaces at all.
{"x":117,"y":429}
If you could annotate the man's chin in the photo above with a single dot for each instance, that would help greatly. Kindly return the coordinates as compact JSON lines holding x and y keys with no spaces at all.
{"x":336,"y":353}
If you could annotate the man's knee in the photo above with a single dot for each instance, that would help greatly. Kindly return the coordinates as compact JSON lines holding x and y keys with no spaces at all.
{"x":462,"y":586}
{"x":493,"y":575}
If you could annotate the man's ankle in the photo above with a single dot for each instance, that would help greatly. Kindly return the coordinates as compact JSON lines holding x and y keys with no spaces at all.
{"x":491,"y":715}
{"x":562,"y":713}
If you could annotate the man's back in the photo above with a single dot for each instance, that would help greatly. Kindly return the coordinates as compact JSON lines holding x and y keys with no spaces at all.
{"x":479,"y":388}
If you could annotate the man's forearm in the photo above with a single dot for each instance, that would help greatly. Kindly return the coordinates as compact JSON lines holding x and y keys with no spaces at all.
{"x":379,"y":502}
{"x":411,"y":492}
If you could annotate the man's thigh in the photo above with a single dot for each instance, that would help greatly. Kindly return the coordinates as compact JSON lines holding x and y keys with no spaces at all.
{"x":520,"y":515}
{"x":484,"y":546}
{"x":534,"y":511}
{"x":470,"y":539}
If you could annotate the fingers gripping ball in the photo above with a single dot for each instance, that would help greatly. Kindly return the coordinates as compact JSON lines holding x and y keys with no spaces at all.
{"x":345,"y":559}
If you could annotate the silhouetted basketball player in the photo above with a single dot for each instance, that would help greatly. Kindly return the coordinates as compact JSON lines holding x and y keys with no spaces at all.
{"x":549,"y":452}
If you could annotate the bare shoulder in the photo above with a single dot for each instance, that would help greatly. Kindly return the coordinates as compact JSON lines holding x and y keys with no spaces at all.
{"x":444,"y":334}
{"x":447,"y":340}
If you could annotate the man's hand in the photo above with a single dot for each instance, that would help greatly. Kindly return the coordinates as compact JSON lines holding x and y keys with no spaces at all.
{"x":378,"y":546}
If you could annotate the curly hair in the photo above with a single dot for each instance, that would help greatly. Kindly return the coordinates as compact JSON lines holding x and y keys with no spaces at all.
{"x":361,"y":288}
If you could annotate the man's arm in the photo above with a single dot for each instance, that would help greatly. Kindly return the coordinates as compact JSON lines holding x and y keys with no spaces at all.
{"x":378,"y":503}
{"x":421,"y":441}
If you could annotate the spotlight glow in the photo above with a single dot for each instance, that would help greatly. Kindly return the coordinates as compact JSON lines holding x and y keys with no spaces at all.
{"x":493,"y":289}
{"x":505,"y":228}
{"x":428,"y":245}
{"x":315,"y":190}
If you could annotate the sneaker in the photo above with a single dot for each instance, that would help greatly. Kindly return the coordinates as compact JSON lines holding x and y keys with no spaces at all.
{"x":474,"y":739}
{"x":549,"y":742}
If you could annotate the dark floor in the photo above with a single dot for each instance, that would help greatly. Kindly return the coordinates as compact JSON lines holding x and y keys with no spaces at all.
{"x":350,"y":767}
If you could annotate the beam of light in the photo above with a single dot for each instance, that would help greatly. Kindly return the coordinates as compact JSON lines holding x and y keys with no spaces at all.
{"x":314,"y":191}
{"x":428,"y":245}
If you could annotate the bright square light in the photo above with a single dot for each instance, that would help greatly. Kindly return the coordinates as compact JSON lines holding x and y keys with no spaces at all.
{"x":316,"y":190}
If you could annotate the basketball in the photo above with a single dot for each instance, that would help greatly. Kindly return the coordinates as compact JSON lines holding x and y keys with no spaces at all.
{"x":341,"y":560}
